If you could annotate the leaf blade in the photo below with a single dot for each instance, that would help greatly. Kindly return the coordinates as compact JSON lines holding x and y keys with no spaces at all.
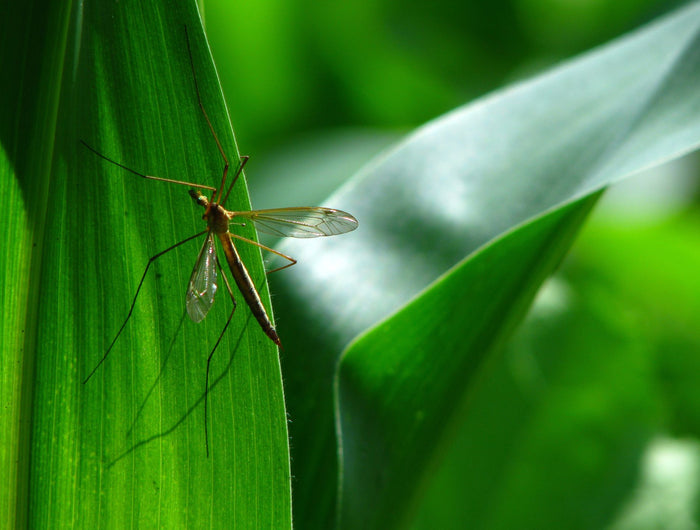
{"x":128,"y":448}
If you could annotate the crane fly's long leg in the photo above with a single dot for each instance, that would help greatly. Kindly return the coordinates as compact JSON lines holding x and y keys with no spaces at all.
{"x":172,"y":181}
{"x":244,"y":160}
{"x":138,"y":289}
{"x":291,"y":259}
{"x":206,"y":377}
{"x":206,"y":117}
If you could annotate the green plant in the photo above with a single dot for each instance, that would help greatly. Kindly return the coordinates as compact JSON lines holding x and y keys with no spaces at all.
{"x":391,"y":335}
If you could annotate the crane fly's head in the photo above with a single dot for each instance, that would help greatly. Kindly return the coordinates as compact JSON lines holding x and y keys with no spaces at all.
{"x":202,"y":201}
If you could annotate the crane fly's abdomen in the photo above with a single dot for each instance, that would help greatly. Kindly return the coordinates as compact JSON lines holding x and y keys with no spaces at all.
{"x":246,"y":287}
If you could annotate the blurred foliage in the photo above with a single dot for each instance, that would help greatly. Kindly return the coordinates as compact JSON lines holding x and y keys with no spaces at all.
{"x":294,"y":69}
{"x":596,"y":392}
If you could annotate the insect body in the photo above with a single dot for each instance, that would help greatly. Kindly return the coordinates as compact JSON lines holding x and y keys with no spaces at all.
{"x":302,"y":222}
{"x":204,"y":273}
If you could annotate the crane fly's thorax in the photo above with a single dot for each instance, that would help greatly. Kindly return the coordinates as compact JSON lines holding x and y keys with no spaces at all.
{"x":216,"y":216}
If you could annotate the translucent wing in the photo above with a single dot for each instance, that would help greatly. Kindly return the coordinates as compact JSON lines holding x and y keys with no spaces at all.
{"x":202,"y":286}
{"x":301,"y":222}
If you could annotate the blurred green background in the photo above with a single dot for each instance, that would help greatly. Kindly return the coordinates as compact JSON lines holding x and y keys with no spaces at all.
{"x":315,"y":90}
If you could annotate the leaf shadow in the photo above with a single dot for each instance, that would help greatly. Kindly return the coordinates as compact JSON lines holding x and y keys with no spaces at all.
{"x":142,"y":443}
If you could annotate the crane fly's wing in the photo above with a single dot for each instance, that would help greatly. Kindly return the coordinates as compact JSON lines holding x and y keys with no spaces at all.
{"x":202,"y":286}
{"x":301,"y":222}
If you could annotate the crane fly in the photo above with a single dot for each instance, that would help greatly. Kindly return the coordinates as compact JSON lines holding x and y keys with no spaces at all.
{"x":300,"y":222}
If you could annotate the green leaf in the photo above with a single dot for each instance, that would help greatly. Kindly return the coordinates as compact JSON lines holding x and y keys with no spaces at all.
{"x":127,"y":448}
{"x":450,"y":192}
{"x":573,"y":426}
{"x":388,"y":433}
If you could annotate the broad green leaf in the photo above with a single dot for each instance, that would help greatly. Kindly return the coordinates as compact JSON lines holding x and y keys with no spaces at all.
{"x":573,"y":425}
{"x":453,"y":188}
{"x":560,"y":421}
{"x":127,"y":448}
{"x":388,"y":434}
